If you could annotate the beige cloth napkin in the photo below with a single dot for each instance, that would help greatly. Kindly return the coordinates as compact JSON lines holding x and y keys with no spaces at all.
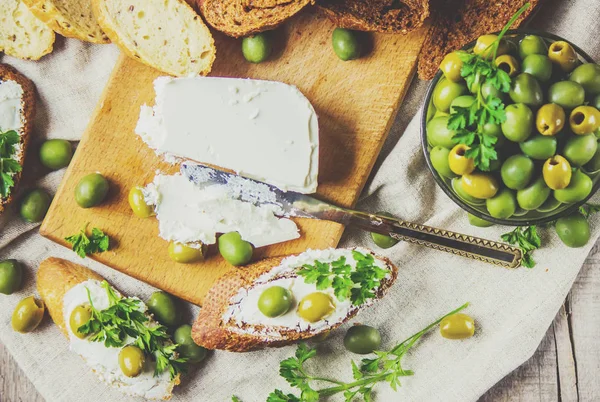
{"x":513,"y":309}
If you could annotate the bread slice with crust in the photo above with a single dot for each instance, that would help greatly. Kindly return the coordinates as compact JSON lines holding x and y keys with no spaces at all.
{"x":17,"y":112}
{"x":22,"y":35}
{"x":70,"y":18}
{"x":229,"y":308}
{"x":240,"y":18}
{"x":165,"y":34}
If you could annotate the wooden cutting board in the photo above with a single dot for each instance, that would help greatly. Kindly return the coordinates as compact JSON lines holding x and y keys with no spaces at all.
{"x":356,"y":102}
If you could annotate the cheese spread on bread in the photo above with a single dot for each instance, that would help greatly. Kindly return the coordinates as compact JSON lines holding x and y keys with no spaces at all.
{"x":264,"y":130}
{"x":11,"y":109}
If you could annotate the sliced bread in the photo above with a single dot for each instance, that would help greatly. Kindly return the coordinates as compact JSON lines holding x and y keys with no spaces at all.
{"x":17,"y":111}
{"x":70,"y":18}
{"x":458,"y":22}
{"x":231,"y":320}
{"x":22,"y":35}
{"x":165,"y":34}
{"x":392,"y":16}
{"x":240,"y":18}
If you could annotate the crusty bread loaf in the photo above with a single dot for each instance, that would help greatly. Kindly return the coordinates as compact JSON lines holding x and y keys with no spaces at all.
{"x":458,"y":22}
{"x":22,"y":35}
{"x":240,"y":18}
{"x":392,"y":16}
{"x":211,"y":332}
{"x":165,"y":34}
{"x":70,"y":18}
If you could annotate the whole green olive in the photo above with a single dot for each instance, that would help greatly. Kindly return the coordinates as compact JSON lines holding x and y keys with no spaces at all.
{"x":257,"y":48}
{"x":451,"y":66}
{"x":439,"y":159}
{"x":56,"y":154}
{"x":164,"y":308}
{"x":507,"y":63}
{"x":550,"y":119}
{"x":346,"y":44}
{"x":519,"y":122}
{"x":91,"y":190}
{"x":384,"y":241}
{"x":539,"y":147}
{"x":557,"y":172}
{"x":234,"y":249}
{"x":534,"y":195}
{"x":480,"y":185}
{"x":445,"y":92}
{"x":584,"y":120}
{"x":315,"y":306}
{"x":478,"y":222}
{"x":131,"y":361}
{"x":488,"y":89}
{"x":494,"y":130}
{"x":593,"y":165}
{"x":186,"y":346}
{"x":457,"y":186}
{"x":28,"y":314}
{"x":517,"y":171}
{"x":34,"y":205}
{"x":588,"y":75}
{"x":138,"y":205}
{"x":577,"y":190}
{"x":438,"y":133}
{"x":457,"y":326}
{"x":563,"y":54}
{"x":532,"y":44}
{"x":275,"y":301}
{"x":503,"y":205}
{"x":539,"y":66}
{"x":483,"y":46}
{"x":459,"y":163}
{"x":526,"y":89}
{"x":79,"y":317}
{"x":567,"y":94}
{"x":186,"y":254}
{"x":580,"y":149}
{"x":11,"y":276}
{"x":362,"y":339}
{"x":431,"y":111}
{"x":573,"y":230}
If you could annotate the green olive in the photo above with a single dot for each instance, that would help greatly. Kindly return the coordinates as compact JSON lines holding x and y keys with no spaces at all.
{"x":539,"y":66}
{"x":483,"y":46}
{"x":577,"y":190}
{"x":557,"y":172}
{"x":186,"y":346}
{"x":495,"y":130}
{"x":532,"y":44}
{"x":131,"y":361}
{"x":451,"y":66}
{"x":445,"y":92}
{"x":584,"y":120}
{"x":458,"y":161}
{"x":550,"y":205}
{"x":257,"y":48}
{"x":567,"y":94}
{"x":503,"y":205}
{"x":457,"y":186}
{"x":478,"y":222}
{"x":11,"y":276}
{"x":480,"y":185}
{"x":550,"y":119}
{"x":28,"y":314}
{"x":526,"y":89}
{"x":56,"y":154}
{"x":462,"y":101}
{"x":234,"y":249}
{"x":593,"y":165}
{"x":580,"y":149}
{"x":457,"y":326}
{"x":346,"y":44}
{"x":519,"y":122}
{"x":539,"y":147}
{"x":439,"y":159}
{"x":362,"y":339}
{"x":164,"y":308}
{"x":34,"y":205}
{"x":91,"y":190}
{"x":431,"y":111}
{"x":138,"y":204}
{"x":438,"y":133}
{"x":573,"y":230}
{"x":79,"y":317}
{"x":534,"y":195}
{"x":588,"y":75}
{"x":517,"y":172}
{"x":508,"y":64}
{"x":185,"y":254}
{"x":275,"y":301}
{"x":384,"y":241}
{"x":563,"y":54}
{"x":488,"y":89}
{"x":315,"y":307}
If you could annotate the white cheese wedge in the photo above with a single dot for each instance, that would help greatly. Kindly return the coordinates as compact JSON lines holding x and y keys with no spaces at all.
{"x":264,"y":130}
{"x":187,"y":213}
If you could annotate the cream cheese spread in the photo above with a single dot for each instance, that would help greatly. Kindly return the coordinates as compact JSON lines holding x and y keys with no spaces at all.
{"x":11,"y":109}
{"x":105,"y":361}
{"x":264,"y":130}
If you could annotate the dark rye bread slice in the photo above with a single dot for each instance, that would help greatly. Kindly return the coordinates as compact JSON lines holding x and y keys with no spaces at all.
{"x":391,"y":16}
{"x":455,"y":23}
{"x":211,"y":332}
{"x":27,"y":111}
{"x":240,"y":18}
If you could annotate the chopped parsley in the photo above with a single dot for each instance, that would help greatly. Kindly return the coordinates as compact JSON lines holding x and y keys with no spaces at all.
{"x":83,"y":245}
{"x":527,"y":239}
{"x":8,"y":166}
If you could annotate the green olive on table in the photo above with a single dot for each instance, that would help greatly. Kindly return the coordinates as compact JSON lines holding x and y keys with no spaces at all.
{"x":34,"y":205}
{"x":187,"y":348}
{"x":438,"y":133}
{"x":503,"y":205}
{"x":28,"y":314}
{"x":138,"y":205}
{"x":362,"y":339}
{"x":185,"y":254}
{"x":563,"y":54}
{"x":480,"y":185}
{"x":567,"y":94}
{"x":445,"y":92}
{"x":478,"y":222}
{"x":588,"y":76}
{"x":234,"y":249}
{"x":131,"y":361}
{"x":451,"y":65}
{"x":539,"y":66}
{"x":439,"y":159}
{"x":11,"y":276}
{"x":164,"y":308}
{"x":534,"y":195}
{"x":275,"y":301}
{"x":577,"y":190}
{"x":458,"y":161}
{"x":483,"y":46}
{"x":257,"y":48}
{"x":383,"y":241}
{"x":517,"y":171}
{"x":526,"y":89}
{"x":79,"y":317}
{"x":557,"y":172}
{"x":532,"y":44}
{"x":539,"y":147}
{"x":519,"y":122}
{"x":507,"y":63}
{"x":550,"y":119}
{"x":315,"y":306}
{"x":580,"y":149}
{"x":56,"y":154}
{"x":584,"y":120}
{"x":573,"y":230}
{"x":457,"y":326}
{"x":91,"y":190}
{"x":488,"y":89}
{"x":346,"y":44}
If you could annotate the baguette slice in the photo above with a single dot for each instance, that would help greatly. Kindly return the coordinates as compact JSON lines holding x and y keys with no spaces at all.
{"x":25,"y":108}
{"x":219,"y":325}
{"x":22,"y":35}
{"x":165,"y":34}
{"x":240,"y":18}
{"x":70,"y":18}
{"x":55,"y":278}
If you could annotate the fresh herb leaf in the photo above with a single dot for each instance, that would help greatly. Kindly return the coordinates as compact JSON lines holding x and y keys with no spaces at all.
{"x":83,"y":245}
{"x":589,"y":209}
{"x":527,"y":239}
{"x":8,"y":166}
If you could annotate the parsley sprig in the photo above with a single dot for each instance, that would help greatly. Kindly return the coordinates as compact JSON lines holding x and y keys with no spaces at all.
{"x":356,"y":284}
{"x":8,"y":166}
{"x":589,"y":209}
{"x":83,"y":245}
{"x":527,"y":239}
{"x":124,"y":320}
{"x":384,"y":367}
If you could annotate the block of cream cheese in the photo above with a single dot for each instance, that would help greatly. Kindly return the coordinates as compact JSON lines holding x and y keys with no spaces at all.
{"x":264,"y":130}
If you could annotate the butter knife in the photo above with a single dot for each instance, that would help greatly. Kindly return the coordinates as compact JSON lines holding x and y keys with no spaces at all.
{"x":292,"y":204}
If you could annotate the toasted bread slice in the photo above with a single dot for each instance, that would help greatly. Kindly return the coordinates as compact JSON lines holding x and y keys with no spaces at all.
{"x":391,"y":16}
{"x":229,"y":308}
{"x":240,"y":18}
{"x":22,"y":35}
{"x":70,"y":18}
{"x":456,"y":23}
{"x":167,"y":35}
{"x":55,"y":278}
{"x":17,"y":111}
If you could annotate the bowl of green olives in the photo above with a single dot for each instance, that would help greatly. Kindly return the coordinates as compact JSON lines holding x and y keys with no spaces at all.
{"x":510,"y":127}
